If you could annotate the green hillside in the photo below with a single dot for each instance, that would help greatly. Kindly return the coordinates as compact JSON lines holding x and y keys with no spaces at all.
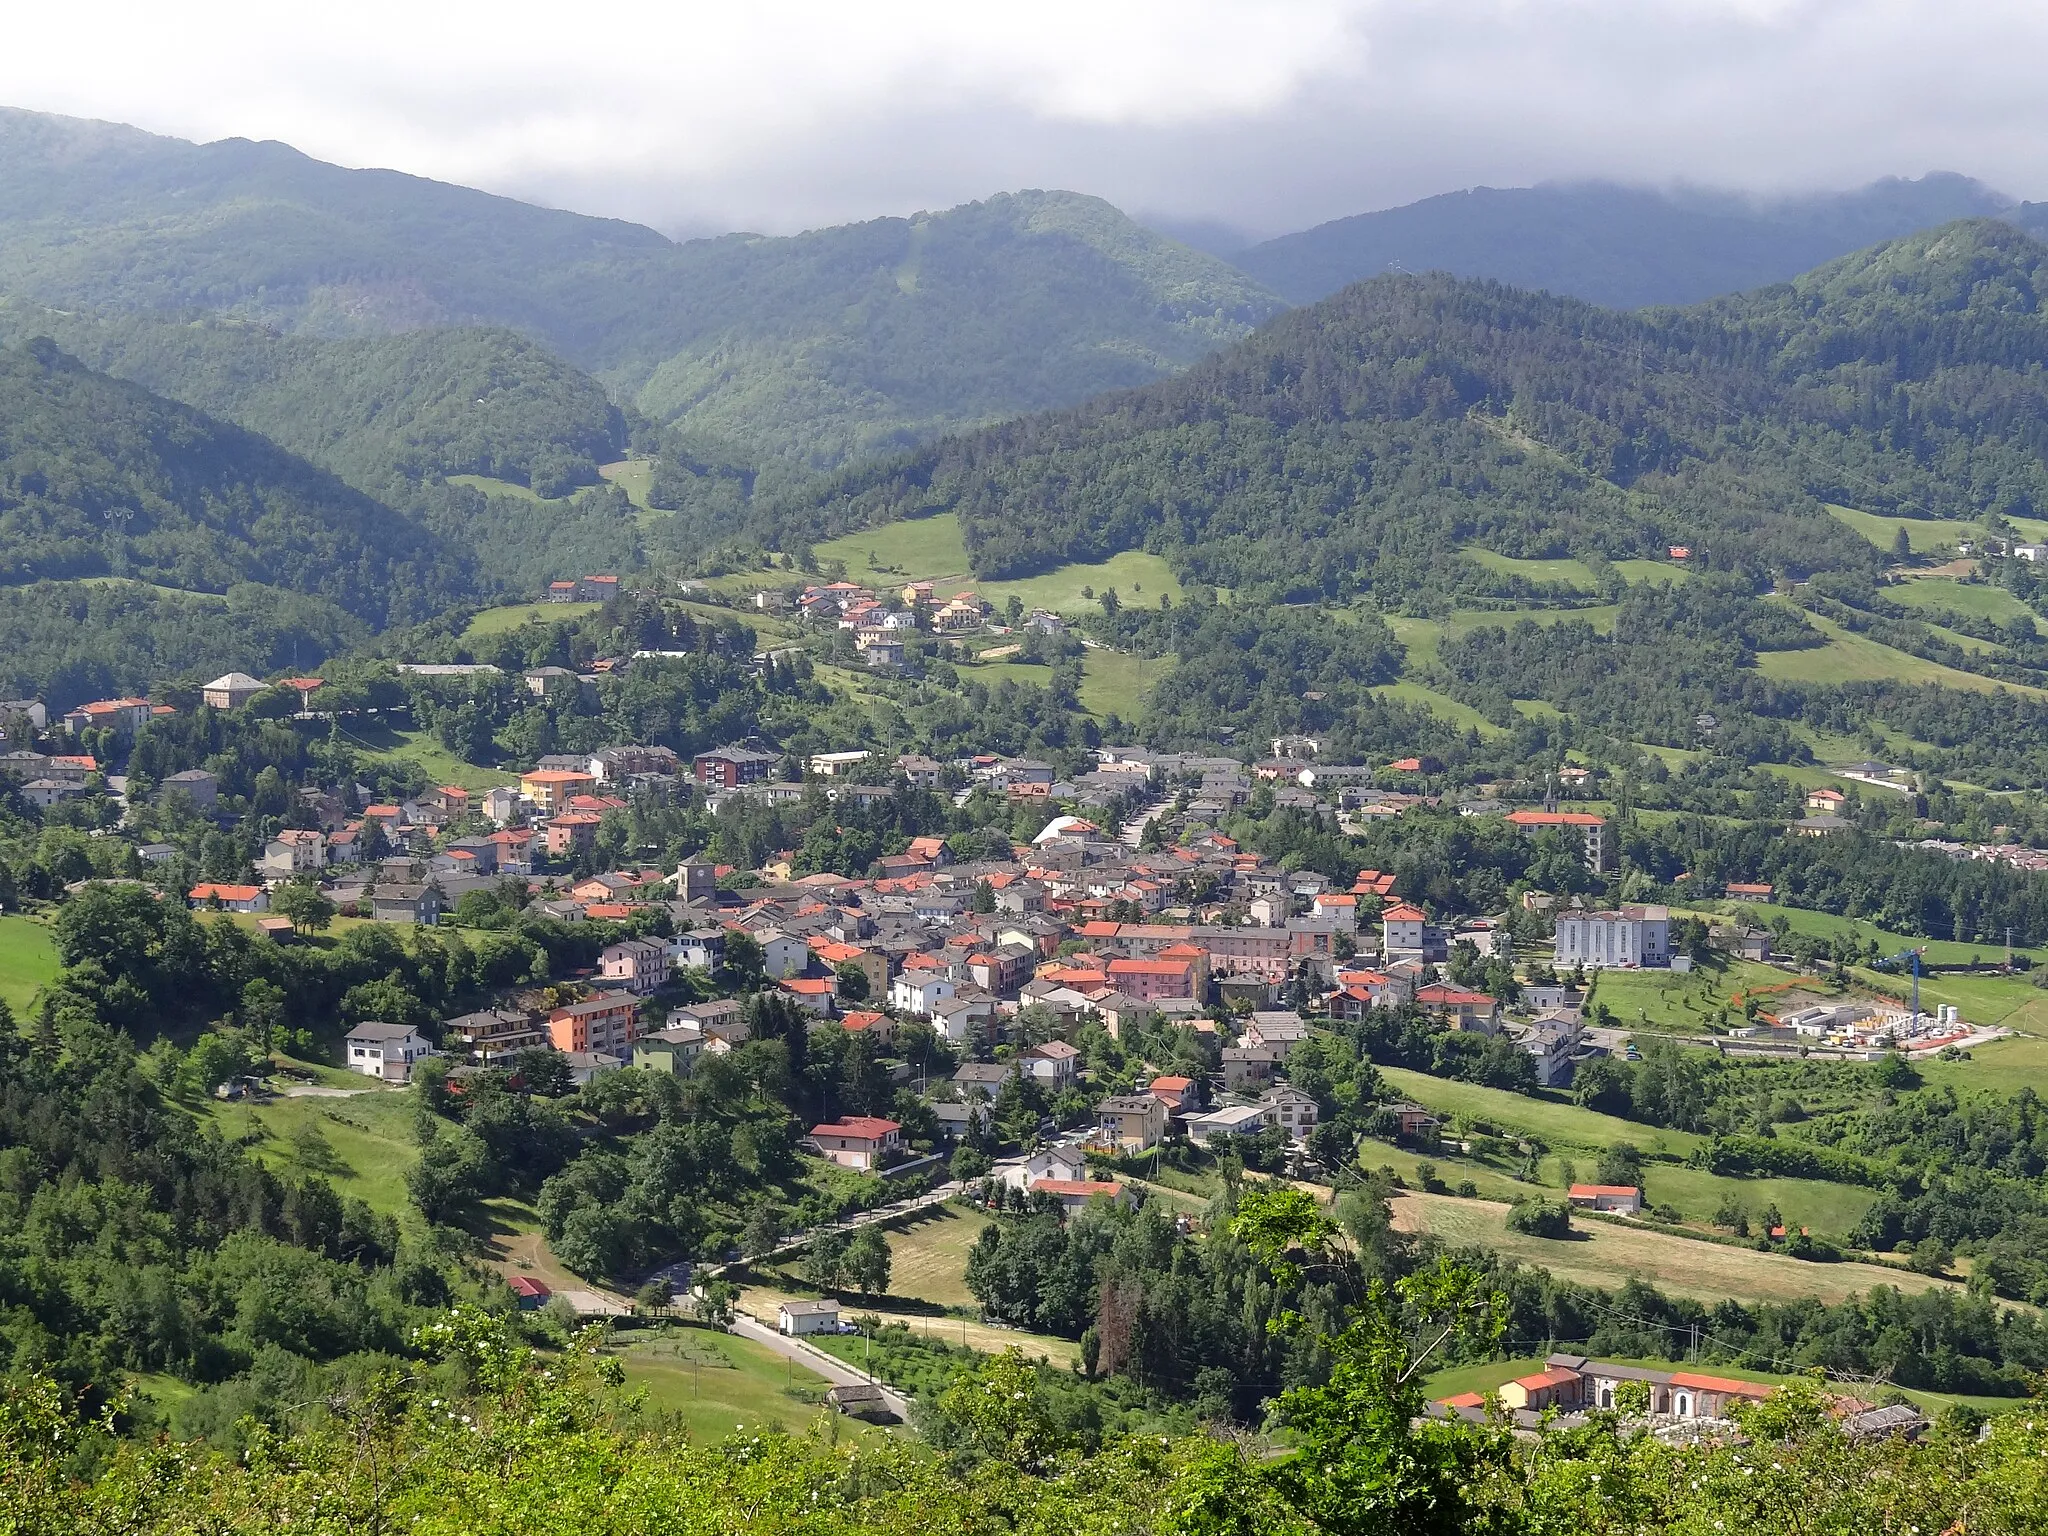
{"x":1345,"y":445}
{"x":811,"y":348}
{"x":99,"y":477}
{"x":873,"y":336}
{"x":372,"y":409}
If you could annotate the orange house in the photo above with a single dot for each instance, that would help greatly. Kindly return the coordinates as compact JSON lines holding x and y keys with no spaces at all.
{"x":600,"y":1024}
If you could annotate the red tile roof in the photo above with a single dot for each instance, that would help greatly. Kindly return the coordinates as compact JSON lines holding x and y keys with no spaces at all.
{"x":213,"y":891}
{"x":1083,"y":1187}
{"x":1723,"y":1384}
{"x":859,"y":1128}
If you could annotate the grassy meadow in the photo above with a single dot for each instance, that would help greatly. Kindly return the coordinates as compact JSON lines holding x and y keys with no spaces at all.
{"x":932,"y":549}
{"x":28,"y":959}
{"x":928,"y":1255}
{"x":423,"y":749}
{"x":717,"y":1383}
{"x":1852,"y":658}
{"x":1444,"y":707}
{"x":1116,"y":682}
{"x":362,"y":1144}
{"x":502,"y":621}
{"x":1603,"y":1254}
{"x":633,"y":476}
{"x":1926,"y":534}
{"x":1978,"y":598}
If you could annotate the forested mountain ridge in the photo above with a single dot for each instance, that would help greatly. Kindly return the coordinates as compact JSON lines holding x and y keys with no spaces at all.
{"x":374,"y":410}
{"x":108,"y":216}
{"x":1622,"y":247}
{"x":813,"y":348}
{"x":870,"y":336}
{"x":1348,"y":446}
{"x":100,"y":478}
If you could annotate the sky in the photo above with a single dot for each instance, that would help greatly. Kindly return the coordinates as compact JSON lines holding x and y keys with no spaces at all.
{"x":1258,"y":115}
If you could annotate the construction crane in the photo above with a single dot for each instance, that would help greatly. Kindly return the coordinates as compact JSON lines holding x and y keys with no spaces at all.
{"x":1914,"y":955}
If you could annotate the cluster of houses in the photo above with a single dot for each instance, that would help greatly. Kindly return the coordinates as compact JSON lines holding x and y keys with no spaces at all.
{"x":1078,"y":925}
{"x":880,"y":620}
{"x":1674,"y":1404}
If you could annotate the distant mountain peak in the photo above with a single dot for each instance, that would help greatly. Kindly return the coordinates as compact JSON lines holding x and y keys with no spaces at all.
{"x":1625,"y":247}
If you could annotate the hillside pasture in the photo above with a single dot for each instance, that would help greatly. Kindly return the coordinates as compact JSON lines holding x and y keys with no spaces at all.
{"x":492,"y":486}
{"x":1451,"y":711}
{"x":1565,"y":572}
{"x":1827,"y":925}
{"x":928,"y":1254}
{"x":717,"y":1383}
{"x":423,"y":750}
{"x":369,"y":1145}
{"x":1979,"y":599}
{"x":1603,"y":1254}
{"x":1555,"y":1120}
{"x":1116,"y":682}
{"x":1852,"y":658}
{"x":633,"y":476}
{"x":1925,"y":534}
{"x":28,"y":960}
{"x":491,"y":622}
{"x":933,"y":549}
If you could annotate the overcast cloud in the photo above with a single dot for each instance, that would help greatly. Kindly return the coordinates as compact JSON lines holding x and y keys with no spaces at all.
{"x":1264,"y":114}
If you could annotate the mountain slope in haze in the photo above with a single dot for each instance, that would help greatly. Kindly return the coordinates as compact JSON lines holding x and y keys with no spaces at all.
{"x":1351,"y":446}
{"x":809,"y":348}
{"x":378,"y":411}
{"x":100,"y":478}
{"x":875,"y":335}
{"x":1621,"y":247}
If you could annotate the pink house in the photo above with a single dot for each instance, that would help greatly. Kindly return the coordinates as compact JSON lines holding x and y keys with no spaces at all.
{"x":858,"y":1141}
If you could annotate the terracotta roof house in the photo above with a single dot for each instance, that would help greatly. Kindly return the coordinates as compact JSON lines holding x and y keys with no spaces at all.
{"x":858,"y":1141}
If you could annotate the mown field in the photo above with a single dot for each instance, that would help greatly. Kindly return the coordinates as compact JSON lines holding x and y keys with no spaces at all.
{"x":28,"y":959}
{"x":633,"y":476}
{"x":1444,"y":707}
{"x":1979,"y":598}
{"x":1925,"y":534}
{"x":424,"y":750}
{"x":1852,"y":658}
{"x":760,"y":1301}
{"x":501,"y":621}
{"x":1679,"y":1002}
{"x":932,"y":549}
{"x":716,"y":1384}
{"x":1574,"y":1138}
{"x":1605,"y":1254}
{"x":1115,"y":682}
{"x":1763,"y":914}
{"x":928,"y":1255}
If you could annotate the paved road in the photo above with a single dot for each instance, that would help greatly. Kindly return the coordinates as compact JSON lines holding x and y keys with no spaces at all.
{"x":831,"y":1367}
